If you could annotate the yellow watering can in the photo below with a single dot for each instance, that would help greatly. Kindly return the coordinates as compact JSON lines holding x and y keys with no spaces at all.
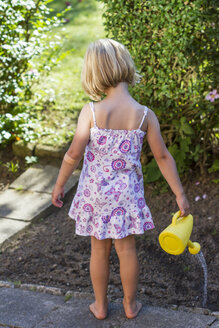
{"x":175,"y":237}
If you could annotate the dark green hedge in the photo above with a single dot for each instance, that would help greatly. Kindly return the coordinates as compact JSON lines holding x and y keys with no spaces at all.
{"x":175,"y":47}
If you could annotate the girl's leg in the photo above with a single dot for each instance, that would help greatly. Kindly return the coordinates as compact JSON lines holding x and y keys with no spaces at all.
{"x":99,"y":271}
{"x":129,"y":271}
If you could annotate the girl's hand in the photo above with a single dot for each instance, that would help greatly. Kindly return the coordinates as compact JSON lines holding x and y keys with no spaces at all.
{"x":56,"y":194}
{"x":183,"y":205}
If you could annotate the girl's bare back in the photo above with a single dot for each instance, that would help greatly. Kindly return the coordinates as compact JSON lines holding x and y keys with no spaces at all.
{"x":119,"y":114}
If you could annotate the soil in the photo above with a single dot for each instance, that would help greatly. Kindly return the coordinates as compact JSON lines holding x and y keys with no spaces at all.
{"x":7,"y":176}
{"x":49,"y":253}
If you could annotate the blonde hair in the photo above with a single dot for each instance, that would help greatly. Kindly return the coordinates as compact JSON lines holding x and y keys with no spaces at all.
{"x":107,"y":63}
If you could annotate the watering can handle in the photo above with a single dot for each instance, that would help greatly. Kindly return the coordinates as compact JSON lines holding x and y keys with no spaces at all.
{"x":175,"y":217}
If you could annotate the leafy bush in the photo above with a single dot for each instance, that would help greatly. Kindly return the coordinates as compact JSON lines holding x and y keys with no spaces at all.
{"x":25,"y":27}
{"x":16,"y":127}
{"x":175,"y":47}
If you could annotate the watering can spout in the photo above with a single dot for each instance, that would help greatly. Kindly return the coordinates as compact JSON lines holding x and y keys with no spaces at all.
{"x":194,"y":247}
{"x":175,"y":238}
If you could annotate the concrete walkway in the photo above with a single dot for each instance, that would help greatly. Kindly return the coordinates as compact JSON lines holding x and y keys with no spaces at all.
{"x":29,"y":198}
{"x":20,"y":308}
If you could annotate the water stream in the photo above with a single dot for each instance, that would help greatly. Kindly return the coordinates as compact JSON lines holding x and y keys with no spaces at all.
{"x":201,"y":259}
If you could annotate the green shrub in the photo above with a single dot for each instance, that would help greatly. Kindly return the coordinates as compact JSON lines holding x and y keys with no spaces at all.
{"x":25,"y":27}
{"x":16,"y":127}
{"x":175,"y":47}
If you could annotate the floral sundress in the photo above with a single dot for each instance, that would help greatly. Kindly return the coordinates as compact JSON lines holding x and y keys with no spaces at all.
{"x":109,"y":201}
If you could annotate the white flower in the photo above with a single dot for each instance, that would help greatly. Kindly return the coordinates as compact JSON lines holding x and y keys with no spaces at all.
{"x":26,"y":3}
{"x":6,"y":134}
{"x":6,"y":46}
{"x":8,"y":115}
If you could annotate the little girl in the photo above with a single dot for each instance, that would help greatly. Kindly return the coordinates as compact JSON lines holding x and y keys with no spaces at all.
{"x":109,"y":203}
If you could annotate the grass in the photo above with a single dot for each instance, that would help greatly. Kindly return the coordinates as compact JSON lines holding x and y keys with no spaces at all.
{"x":67,"y":297}
{"x":58,"y":118}
{"x":17,"y":284}
{"x":186,"y":268}
{"x":214,"y":232}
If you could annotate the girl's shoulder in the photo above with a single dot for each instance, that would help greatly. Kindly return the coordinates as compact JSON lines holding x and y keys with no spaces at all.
{"x":85,"y":114}
{"x":153,"y":125}
{"x":86,"y":111}
{"x":151,"y":116}
{"x":147,"y":118}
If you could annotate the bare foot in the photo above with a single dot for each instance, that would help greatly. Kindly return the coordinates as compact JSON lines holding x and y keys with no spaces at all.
{"x":132,"y":311}
{"x":99,"y":314}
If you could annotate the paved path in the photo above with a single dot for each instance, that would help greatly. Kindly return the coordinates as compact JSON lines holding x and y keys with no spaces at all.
{"x":21,"y":308}
{"x":29,"y":198}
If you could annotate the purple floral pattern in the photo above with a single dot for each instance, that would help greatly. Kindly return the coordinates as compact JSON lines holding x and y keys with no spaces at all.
{"x":106,"y":218}
{"x":136,"y":187}
{"x":90,"y":156}
{"x":141,"y":202}
{"x":88,"y":208}
{"x":125,"y":146}
{"x":148,"y":225}
{"x":102,"y":140}
{"x":118,"y":211}
{"x":109,"y":202}
{"x":89,"y":229}
{"x":86,"y":192}
{"x":118,"y":164}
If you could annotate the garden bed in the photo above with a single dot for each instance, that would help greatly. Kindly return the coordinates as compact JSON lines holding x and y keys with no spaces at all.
{"x":50,"y":253}
{"x":11,"y":166}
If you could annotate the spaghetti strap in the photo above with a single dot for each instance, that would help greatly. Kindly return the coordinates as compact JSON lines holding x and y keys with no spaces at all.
{"x":145,"y":114}
{"x":92,"y":109}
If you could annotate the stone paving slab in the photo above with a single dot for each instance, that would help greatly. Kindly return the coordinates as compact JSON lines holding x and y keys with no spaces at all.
{"x":42,"y":179}
{"x":157,"y":317}
{"x":24,"y":205}
{"x":9,"y":228}
{"x":29,"y":198}
{"x":28,"y":309}
{"x":47,"y":151}
{"x":22,"y":308}
{"x":77,"y":315}
{"x":41,"y":150}
{"x":22,"y":149}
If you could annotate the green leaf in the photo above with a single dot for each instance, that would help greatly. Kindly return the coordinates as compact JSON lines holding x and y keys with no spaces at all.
{"x":214,"y":167}
{"x":152,"y":172}
{"x":180,"y":156}
{"x":185,"y":126}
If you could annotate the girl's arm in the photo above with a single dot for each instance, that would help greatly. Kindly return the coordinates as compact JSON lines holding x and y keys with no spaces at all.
{"x":166,"y":162}
{"x":74,"y":154}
